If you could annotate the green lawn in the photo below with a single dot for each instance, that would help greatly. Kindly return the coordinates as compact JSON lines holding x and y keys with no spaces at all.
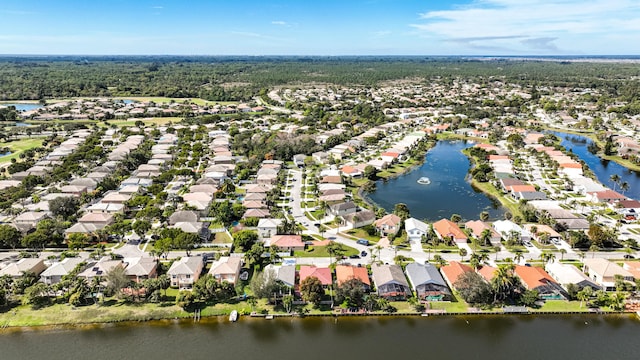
{"x":321,"y":251}
{"x":449,"y":306}
{"x":562,"y":305}
{"x":18,"y":147}
{"x":361,"y":234}
{"x":222,"y":238}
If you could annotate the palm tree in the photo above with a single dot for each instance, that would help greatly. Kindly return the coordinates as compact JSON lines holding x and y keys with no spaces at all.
{"x":624,"y":187}
{"x":562,"y":252}
{"x":503,"y":281}
{"x":484,"y":216}
{"x":518,"y":256}
{"x":615,"y":178}
{"x":463,"y":253}
{"x":584,"y":294}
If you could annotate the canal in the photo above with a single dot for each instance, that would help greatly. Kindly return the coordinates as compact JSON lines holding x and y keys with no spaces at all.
{"x":448,"y":193}
{"x":603,"y":169}
{"x":441,"y":337}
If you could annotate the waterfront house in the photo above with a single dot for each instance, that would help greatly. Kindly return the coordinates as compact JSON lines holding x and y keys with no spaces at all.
{"x":388,"y":224}
{"x":487,"y":272}
{"x":449,"y":231}
{"x":141,"y":268}
{"x":566,"y":274}
{"x":535,"y":278}
{"x":286,"y":274}
{"x":390,"y":282}
{"x":604,"y":272}
{"x":452,"y":271}
{"x":22,"y":266}
{"x":100,"y":269}
{"x":348,"y":272}
{"x":427,"y":282}
{"x":415,"y":229}
{"x":54,"y":273}
{"x":226,"y":269}
{"x":185,"y":272}
{"x":322,"y":273}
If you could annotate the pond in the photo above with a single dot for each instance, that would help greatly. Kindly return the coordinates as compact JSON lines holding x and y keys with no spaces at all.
{"x":447,"y":191}
{"x":23,"y":106}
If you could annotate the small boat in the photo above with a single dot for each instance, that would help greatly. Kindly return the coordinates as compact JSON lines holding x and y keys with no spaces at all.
{"x":424,"y":180}
{"x":233,"y":317}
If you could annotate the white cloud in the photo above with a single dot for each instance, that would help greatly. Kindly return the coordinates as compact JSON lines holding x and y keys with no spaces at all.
{"x":548,"y":26}
{"x":280,"y":23}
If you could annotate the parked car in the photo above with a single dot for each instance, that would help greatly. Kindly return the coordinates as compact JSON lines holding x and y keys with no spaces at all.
{"x":363,"y":253}
{"x":354,"y":256}
{"x":363,"y":242}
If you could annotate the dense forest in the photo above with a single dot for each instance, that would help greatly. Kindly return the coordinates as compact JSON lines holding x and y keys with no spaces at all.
{"x":240,"y":78}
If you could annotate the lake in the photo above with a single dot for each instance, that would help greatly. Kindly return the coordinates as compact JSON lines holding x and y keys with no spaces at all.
{"x":449,"y":192}
{"x":438,"y":337}
{"x":603,"y":169}
{"x":23,"y":106}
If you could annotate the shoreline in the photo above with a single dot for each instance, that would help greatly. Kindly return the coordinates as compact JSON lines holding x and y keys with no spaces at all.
{"x":223,"y":318}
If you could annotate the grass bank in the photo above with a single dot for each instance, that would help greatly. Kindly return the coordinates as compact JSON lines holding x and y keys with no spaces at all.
{"x":19,"y":146}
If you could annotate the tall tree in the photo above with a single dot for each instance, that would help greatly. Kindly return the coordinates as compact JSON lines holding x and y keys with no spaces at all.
{"x":9,"y":236}
{"x":311,"y":290}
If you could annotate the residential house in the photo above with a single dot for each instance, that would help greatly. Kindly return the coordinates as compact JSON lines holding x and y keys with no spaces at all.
{"x":448,"y":230}
{"x":415,"y":229}
{"x":452,"y":272}
{"x":477,"y":227}
{"x":342,"y":209}
{"x":427,"y":282}
{"x":322,"y":273}
{"x":183,"y":216}
{"x":226,"y":269}
{"x":390,"y":282}
{"x":100,"y":269}
{"x":566,"y":274}
{"x":54,"y":273}
{"x":286,"y":274}
{"x":388,"y":224}
{"x":141,"y":268}
{"x":185,"y":272}
{"x":268,"y":227}
{"x":509,"y":229}
{"x":359,"y":219}
{"x":287,"y":242}
{"x":348,"y":272}
{"x":22,"y":266}
{"x":535,"y":278}
{"x":603,"y":272}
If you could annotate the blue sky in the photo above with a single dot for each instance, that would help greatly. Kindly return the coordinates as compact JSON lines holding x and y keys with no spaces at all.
{"x":321,"y":27}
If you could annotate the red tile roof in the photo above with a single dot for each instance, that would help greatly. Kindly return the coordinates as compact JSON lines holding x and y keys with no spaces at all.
{"x":323,"y":274}
{"x":345,"y":272}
